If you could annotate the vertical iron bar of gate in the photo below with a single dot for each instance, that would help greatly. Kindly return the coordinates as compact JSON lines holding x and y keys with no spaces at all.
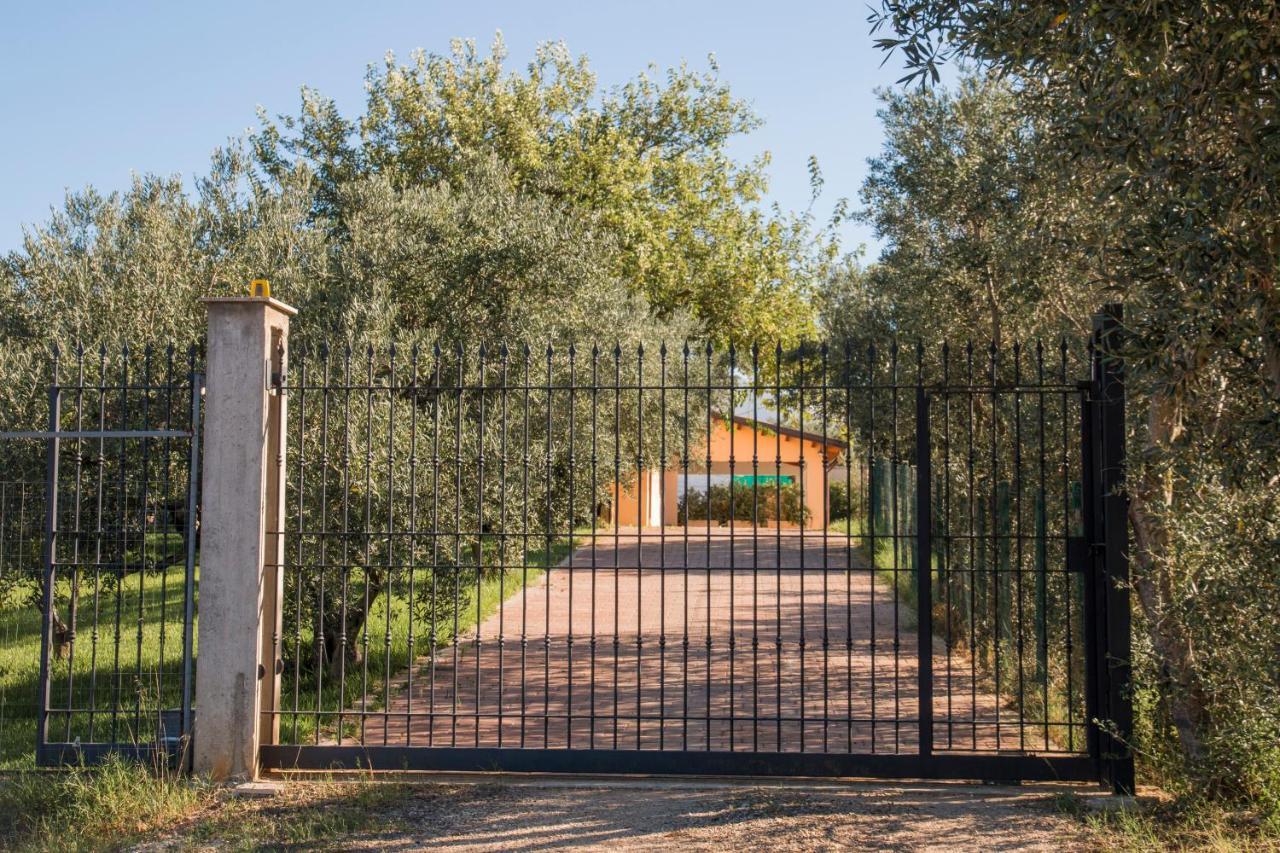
{"x":1089,"y":518}
{"x":189,"y":600}
{"x":1116,"y":667}
{"x":50,"y":552}
{"x":924,"y":561}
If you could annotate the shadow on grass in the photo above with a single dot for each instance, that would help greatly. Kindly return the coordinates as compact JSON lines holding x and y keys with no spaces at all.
{"x":314,"y":702}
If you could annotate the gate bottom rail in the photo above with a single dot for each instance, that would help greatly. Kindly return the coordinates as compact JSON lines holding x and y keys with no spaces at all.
{"x":79,"y":754}
{"x":987,"y":768}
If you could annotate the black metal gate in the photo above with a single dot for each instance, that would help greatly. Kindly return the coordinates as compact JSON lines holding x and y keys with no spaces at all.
{"x":827,"y":560}
{"x":118,"y":573}
{"x":1026,"y":525}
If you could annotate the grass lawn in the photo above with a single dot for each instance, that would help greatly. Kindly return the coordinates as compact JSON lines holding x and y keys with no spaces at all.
{"x":366,"y":681}
{"x":136,"y":669}
{"x":116,"y":804}
{"x":134,"y":674}
{"x":19,"y":676}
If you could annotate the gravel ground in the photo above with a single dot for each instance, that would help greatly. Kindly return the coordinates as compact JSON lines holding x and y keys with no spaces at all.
{"x":860,"y":816}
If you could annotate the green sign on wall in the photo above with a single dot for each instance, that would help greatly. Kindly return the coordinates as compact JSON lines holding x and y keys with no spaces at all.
{"x":763,"y":479}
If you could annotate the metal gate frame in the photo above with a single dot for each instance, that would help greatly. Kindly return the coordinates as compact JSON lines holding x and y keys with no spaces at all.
{"x":1100,"y":555}
{"x":1108,"y":653}
{"x":173,"y":747}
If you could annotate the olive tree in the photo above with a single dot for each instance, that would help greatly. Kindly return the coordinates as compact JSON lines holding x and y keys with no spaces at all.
{"x":1165,"y":115}
{"x":647,"y":163}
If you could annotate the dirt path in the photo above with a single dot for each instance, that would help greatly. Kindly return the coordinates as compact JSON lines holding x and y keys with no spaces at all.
{"x":692,"y":817}
{"x":542,"y":813}
{"x":719,"y":640}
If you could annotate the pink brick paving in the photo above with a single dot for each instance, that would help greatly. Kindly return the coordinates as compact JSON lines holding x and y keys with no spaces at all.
{"x":854,"y":693}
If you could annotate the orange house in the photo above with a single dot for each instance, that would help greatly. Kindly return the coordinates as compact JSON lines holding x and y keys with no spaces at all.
{"x":783,"y":454}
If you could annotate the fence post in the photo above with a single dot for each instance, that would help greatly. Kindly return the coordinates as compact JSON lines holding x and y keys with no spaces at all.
{"x":237,"y":669}
{"x":1116,"y":617}
{"x":50,"y":554}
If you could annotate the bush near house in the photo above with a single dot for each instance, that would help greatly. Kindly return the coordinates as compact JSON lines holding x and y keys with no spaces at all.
{"x":763,"y":504}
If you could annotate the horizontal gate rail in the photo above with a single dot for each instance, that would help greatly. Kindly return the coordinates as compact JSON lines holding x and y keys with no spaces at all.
{"x":98,"y":434}
{"x":986,"y":768}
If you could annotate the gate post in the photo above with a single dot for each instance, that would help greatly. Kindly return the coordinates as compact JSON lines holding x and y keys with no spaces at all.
{"x":1116,"y":699}
{"x":241,"y":551}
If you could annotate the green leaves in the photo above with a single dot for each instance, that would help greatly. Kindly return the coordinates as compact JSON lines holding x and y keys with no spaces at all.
{"x":644,"y":166}
{"x":1163,"y":117}
{"x":974,"y":221}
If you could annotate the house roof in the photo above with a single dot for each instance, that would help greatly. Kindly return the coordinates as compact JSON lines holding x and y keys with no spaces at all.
{"x":804,"y":435}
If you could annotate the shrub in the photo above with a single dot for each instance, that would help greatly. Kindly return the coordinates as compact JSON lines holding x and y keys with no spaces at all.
{"x":739,"y":501}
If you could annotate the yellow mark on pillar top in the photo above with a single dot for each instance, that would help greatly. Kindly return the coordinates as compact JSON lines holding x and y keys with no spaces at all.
{"x":260,"y":287}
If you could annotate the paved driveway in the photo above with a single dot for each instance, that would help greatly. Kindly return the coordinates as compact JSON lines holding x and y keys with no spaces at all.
{"x":743,"y":639}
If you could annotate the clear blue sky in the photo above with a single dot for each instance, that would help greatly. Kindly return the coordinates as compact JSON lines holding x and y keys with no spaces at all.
{"x":92,"y":94}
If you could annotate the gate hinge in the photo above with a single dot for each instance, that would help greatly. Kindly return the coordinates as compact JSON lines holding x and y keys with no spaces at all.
{"x":274,"y":380}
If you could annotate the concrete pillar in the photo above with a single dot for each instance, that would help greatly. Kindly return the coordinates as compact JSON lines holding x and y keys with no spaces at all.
{"x":237,"y":673}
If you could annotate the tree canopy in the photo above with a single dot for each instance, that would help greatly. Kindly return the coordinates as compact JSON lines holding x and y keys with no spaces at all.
{"x":645,"y":165}
{"x":980,"y":237}
{"x":1161,"y":121}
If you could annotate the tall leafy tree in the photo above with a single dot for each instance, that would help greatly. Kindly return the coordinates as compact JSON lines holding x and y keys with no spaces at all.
{"x":980,"y":238}
{"x":1169,"y":111}
{"x":647,"y":164}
